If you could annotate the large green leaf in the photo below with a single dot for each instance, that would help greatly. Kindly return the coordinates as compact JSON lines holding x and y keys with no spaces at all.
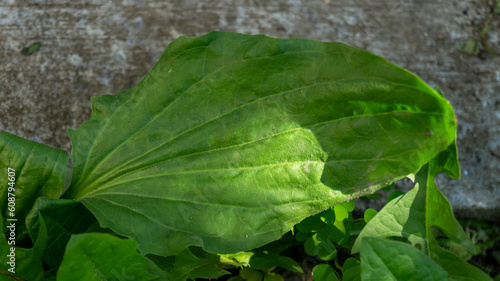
{"x":100,"y":256}
{"x":39,"y":171}
{"x":232,"y":139}
{"x":389,"y":260}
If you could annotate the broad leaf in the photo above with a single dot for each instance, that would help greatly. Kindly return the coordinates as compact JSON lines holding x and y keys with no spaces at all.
{"x":39,"y":171}
{"x":232,"y":139}
{"x":63,"y":218}
{"x":389,"y":260}
{"x":25,"y":263}
{"x":99,"y":256}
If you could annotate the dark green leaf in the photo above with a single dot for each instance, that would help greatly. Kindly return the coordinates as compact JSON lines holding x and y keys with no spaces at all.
{"x":351,"y":270}
{"x":324,"y":272}
{"x":232,"y":139}
{"x":373,"y":196}
{"x":395,"y":194}
{"x":100,"y":256}
{"x":389,"y":187}
{"x":349,"y":205}
{"x":262,"y":261}
{"x":272,"y":277}
{"x":39,"y":171}
{"x":447,"y":162}
{"x":457,"y":268}
{"x":321,"y":246}
{"x":389,"y":260}
{"x":28,"y":51}
{"x":251,"y":275}
{"x":369,"y":214}
{"x":63,"y":218}
{"x":188,"y":265}
{"x":310,"y":224}
{"x":27,"y":263}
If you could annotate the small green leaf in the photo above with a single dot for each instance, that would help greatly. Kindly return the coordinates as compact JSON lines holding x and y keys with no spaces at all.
{"x":349,"y":205}
{"x":100,"y":256}
{"x":497,"y":8}
{"x":321,"y":246}
{"x":309,"y":224}
{"x":27,"y":263}
{"x":36,"y":171}
{"x":389,"y":260}
{"x":232,"y":139}
{"x":457,"y":268}
{"x":261,"y":261}
{"x":395,"y":194}
{"x":389,"y":187}
{"x":63,"y":218}
{"x":188,"y":265}
{"x":28,"y":51}
{"x":351,"y":270}
{"x":369,"y":214}
{"x":324,"y":272}
{"x":373,"y":196}
{"x":273,"y":277}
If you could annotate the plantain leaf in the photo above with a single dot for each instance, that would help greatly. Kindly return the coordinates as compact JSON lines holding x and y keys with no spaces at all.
{"x":36,"y":171}
{"x":457,"y":268}
{"x":389,"y":260}
{"x":232,"y":139}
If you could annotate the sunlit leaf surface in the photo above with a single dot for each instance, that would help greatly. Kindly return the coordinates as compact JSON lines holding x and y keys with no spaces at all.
{"x":232,"y":139}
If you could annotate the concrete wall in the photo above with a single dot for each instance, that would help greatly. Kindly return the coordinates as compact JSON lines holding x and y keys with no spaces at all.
{"x":90,"y":48}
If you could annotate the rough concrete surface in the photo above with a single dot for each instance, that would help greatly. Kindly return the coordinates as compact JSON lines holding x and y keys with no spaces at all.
{"x":91,"y":48}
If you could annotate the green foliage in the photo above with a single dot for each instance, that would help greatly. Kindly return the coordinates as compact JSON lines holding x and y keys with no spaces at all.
{"x":231,"y":141}
{"x":39,"y":170}
{"x":194,"y":263}
{"x":389,"y":260}
{"x":27,"y":261}
{"x":63,"y":218}
{"x":100,"y":256}
{"x":324,"y":272}
{"x":245,"y":132}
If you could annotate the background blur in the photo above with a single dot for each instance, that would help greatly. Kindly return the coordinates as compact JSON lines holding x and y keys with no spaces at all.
{"x":91,"y":48}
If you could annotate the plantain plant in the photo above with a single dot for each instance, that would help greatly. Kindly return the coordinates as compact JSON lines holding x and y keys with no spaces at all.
{"x":233,"y":150}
